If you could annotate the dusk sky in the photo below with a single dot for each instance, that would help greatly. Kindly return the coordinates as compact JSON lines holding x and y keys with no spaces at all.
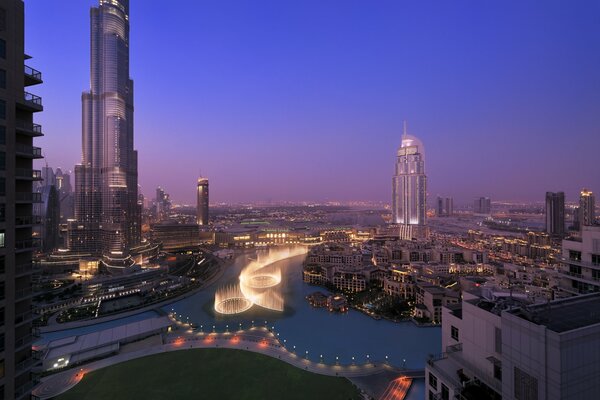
{"x":304,"y":100}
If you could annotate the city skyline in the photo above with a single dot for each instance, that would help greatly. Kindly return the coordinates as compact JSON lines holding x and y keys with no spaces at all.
{"x":318,"y":101}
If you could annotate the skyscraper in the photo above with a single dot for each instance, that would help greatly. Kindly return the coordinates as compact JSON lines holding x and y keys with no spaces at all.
{"x":202,"y":201}
{"x":445,"y":206}
{"x":106,"y":211}
{"x":555,"y":213}
{"x":17,"y":133}
{"x":587,"y":208}
{"x":482,"y":206}
{"x":409,"y":200}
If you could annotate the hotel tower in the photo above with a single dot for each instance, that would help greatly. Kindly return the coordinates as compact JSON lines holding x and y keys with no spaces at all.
{"x":409,"y":185}
{"x":107,"y":217}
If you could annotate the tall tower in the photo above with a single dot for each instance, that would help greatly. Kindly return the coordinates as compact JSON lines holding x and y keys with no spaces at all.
{"x":202,"y":201}
{"x":587,"y":208}
{"x":409,"y":186}
{"x":106,"y":180}
{"x":18,"y":133}
{"x":555,"y":213}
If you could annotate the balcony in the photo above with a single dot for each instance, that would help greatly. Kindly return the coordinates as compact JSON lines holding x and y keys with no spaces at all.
{"x":23,"y":342}
{"x":27,"y":244}
{"x":24,"y":391}
{"x":31,"y":102}
{"x":26,"y":197}
{"x":32,"y":76}
{"x":28,"y":220}
{"x":23,"y":318}
{"x":24,"y":365}
{"x":28,"y":151}
{"x":29,"y":128}
{"x":476,"y":372}
{"x":25,"y":269}
{"x":23,"y":294}
{"x":28,"y":174}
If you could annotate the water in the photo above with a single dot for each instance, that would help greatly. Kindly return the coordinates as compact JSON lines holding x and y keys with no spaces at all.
{"x":309,"y":329}
{"x":317,"y":330}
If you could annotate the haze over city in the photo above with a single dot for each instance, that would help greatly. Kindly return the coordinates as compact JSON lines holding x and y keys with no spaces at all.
{"x":305,"y":101}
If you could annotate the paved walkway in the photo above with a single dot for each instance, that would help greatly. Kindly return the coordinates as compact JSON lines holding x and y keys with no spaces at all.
{"x":258,"y":340}
{"x":397,"y":389}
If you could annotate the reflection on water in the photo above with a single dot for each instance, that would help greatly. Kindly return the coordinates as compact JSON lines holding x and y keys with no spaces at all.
{"x":316,"y":330}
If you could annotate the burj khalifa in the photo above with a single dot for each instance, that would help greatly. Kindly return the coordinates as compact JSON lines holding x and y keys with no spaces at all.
{"x":107,"y":216}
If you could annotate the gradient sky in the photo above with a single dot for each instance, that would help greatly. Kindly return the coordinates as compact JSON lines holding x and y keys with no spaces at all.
{"x":304,"y":100}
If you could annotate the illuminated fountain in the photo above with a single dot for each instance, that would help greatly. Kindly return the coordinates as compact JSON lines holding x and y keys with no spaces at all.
{"x":259,"y":284}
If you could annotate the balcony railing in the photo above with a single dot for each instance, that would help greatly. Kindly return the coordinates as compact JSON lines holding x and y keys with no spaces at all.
{"x":24,"y":268}
{"x":28,"y":220}
{"x":32,"y":100}
{"x":25,"y":173}
{"x":32,"y":73}
{"x":476,"y":372}
{"x":27,"y":244}
{"x":23,"y":317}
{"x":28,"y":197}
{"x":30,"y":151}
{"x":25,"y":340}
{"x":23,"y":389}
{"x":25,"y":364}
{"x":30,"y":127}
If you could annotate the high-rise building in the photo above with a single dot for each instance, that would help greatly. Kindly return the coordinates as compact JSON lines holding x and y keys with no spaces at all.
{"x":409,"y":186}
{"x":482,"y":206}
{"x":17,"y":132}
{"x":555,"y":213}
{"x":587,"y":208}
{"x":445,"y":206}
{"x":162,"y":205}
{"x":106,"y":210}
{"x":202,"y":201}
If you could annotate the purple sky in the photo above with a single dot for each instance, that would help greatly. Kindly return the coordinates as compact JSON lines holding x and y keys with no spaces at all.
{"x":279,"y":100}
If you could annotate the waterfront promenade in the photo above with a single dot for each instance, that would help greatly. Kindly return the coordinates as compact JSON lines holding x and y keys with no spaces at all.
{"x":255,"y":339}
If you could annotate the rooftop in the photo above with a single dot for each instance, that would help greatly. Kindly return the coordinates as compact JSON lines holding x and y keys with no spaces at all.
{"x":564,"y":315}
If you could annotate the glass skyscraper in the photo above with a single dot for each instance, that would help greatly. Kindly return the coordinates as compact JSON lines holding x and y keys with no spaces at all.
{"x":409,"y":185}
{"x":106,"y":210}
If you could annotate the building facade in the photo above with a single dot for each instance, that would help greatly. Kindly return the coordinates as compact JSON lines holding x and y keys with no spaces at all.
{"x":555,"y":214}
{"x":106,"y":208}
{"x":409,"y":188}
{"x":202,"y":201}
{"x":587,"y":208}
{"x":482,"y":206}
{"x":17,"y":244}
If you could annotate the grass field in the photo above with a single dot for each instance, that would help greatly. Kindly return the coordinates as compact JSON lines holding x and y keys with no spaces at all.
{"x":208,"y":374}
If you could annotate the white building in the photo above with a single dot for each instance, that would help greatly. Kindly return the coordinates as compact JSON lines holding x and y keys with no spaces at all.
{"x":505,"y":350}
{"x":581,"y":262}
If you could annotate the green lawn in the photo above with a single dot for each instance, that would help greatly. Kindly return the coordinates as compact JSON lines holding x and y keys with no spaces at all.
{"x":208,"y":374}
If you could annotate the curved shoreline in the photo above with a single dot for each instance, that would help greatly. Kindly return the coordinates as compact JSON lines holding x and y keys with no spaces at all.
{"x":151,"y":307}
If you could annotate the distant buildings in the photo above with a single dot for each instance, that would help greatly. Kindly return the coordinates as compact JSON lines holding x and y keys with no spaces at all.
{"x":581,"y":262}
{"x":587,"y":208}
{"x":504,"y":348}
{"x":555,"y":214}
{"x":108,"y":218}
{"x":202,"y":201}
{"x":17,"y":199}
{"x":175,"y":236}
{"x":409,"y":187}
{"x":55,"y":208}
{"x":482,"y":206}
{"x":444,"y":207}
{"x":162,"y":205}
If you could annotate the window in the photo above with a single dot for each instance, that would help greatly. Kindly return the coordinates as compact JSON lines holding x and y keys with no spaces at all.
{"x":2,"y":265}
{"x":2,"y":19}
{"x":2,"y":244}
{"x":498,"y":340}
{"x":574,"y":255}
{"x":2,"y":78}
{"x":2,"y":134}
{"x":432,"y":381}
{"x":596,"y":275}
{"x":2,"y":160}
{"x":431,"y":395}
{"x":2,"y":294}
{"x":2,"y":48}
{"x":526,"y":386}
{"x":3,"y":109}
{"x":575,"y":269}
{"x":454,"y":332}
{"x":596,"y":259}
{"x":498,"y":371}
{"x":2,"y":186}
{"x":445,"y":392}
{"x":1,"y":341}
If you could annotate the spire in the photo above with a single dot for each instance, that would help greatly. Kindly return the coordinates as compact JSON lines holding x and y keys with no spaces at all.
{"x":404,"y":129}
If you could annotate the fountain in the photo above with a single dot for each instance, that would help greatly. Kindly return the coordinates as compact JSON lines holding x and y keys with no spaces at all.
{"x":259,"y":283}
